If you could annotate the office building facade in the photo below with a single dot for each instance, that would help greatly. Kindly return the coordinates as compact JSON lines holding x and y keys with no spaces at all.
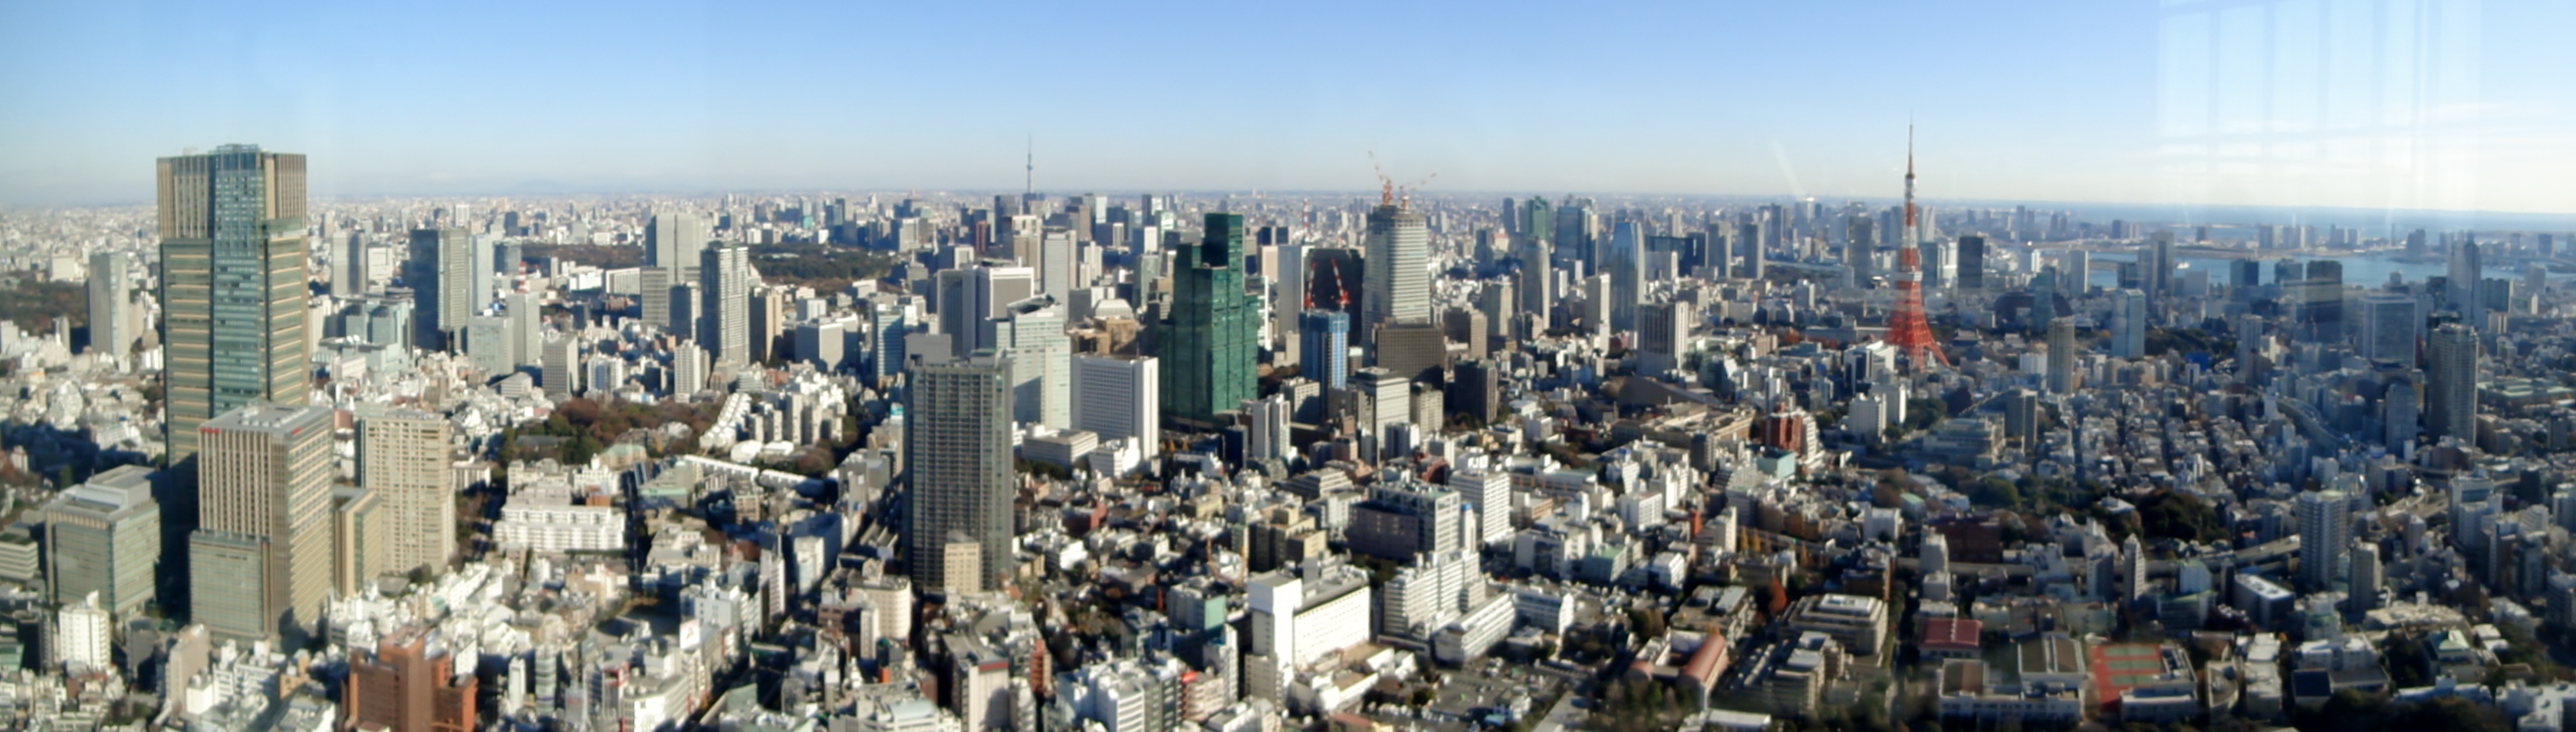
{"x":957,"y":445}
{"x":403,"y":460}
{"x":232,"y":245}
{"x":1209,"y":346}
{"x":724,"y":320}
{"x":264,"y":484}
{"x":2451,"y":383}
{"x":103,"y":537}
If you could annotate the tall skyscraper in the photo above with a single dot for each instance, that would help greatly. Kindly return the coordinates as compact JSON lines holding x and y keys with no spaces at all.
{"x":527,"y":332}
{"x":1972,"y":262}
{"x":769,"y":323}
{"x":263,"y":525}
{"x":1032,"y":333}
{"x":2388,"y":327}
{"x":1860,"y":245}
{"x":1626,"y":265}
{"x":104,"y":537}
{"x":1055,"y":270}
{"x":2401,"y":414}
{"x":957,"y":449}
{"x":2367,"y":575}
{"x":2451,"y":383}
{"x":1537,"y":285}
{"x":111,"y":310}
{"x":688,"y":369}
{"x":653,"y":296}
{"x":2128,"y":324}
{"x":684,"y":302}
{"x":349,"y":271}
{"x":403,"y":459}
{"x":232,"y":241}
{"x":888,"y":323}
{"x":2325,"y":533}
{"x":1538,"y":222}
{"x":561,"y":373}
{"x":2061,"y":356}
{"x":1749,"y":238}
{"x":1327,"y":352}
{"x":1117,"y":396}
{"x":1209,"y":345}
{"x":1268,"y":438}
{"x":440,"y":272}
{"x":2159,"y":259}
{"x":2466,"y":268}
{"x":725,"y":280}
{"x":970,"y":296}
{"x":1397,"y":287}
{"x":672,"y":241}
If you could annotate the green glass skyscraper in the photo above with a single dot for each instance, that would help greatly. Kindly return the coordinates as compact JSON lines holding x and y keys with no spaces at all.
{"x":232,"y":286}
{"x":1208,"y":344}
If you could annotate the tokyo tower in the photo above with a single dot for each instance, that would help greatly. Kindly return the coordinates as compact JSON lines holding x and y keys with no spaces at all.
{"x":1907,"y":329}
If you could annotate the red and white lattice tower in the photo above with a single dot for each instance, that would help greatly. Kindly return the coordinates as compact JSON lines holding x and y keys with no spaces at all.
{"x":1907,"y":328}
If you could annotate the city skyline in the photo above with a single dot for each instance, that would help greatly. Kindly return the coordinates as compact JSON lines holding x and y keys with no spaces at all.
{"x":2130,"y":103}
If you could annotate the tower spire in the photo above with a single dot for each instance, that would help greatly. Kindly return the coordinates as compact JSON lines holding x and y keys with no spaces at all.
{"x":1909,"y":181}
{"x":1030,"y":183}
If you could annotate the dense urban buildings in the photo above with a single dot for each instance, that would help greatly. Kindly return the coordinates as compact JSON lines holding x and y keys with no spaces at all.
{"x":1203,"y":461}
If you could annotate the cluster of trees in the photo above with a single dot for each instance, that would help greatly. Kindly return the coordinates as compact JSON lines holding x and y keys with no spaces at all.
{"x":820,"y":266}
{"x":32,"y":302}
{"x":580,"y":428}
{"x":2169,"y":515}
{"x":603,"y":257}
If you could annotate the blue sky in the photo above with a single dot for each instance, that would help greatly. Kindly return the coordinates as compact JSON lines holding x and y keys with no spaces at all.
{"x":2099,"y":100}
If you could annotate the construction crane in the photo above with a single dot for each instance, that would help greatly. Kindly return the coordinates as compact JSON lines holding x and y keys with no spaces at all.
{"x":1388,"y":190}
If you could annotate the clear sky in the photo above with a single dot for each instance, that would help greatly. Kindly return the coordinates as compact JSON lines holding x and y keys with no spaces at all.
{"x":2457,"y":104}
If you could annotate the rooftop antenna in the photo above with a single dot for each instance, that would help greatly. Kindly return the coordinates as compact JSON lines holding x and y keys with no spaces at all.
{"x":1031,"y":182}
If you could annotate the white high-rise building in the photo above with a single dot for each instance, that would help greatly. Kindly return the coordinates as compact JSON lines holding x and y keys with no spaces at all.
{"x":81,"y":636}
{"x":1397,"y":286}
{"x":2367,"y":575}
{"x":688,"y":369}
{"x":1299,"y":617}
{"x":526,"y":331}
{"x":111,"y":312}
{"x":1120,"y":397}
{"x":403,"y":459}
{"x":1490,"y":492}
{"x":1032,"y":332}
{"x":2325,"y":532}
{"x":1055,"y":263}
{"x":1267,"y":439}
{"x":725,"y":280}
